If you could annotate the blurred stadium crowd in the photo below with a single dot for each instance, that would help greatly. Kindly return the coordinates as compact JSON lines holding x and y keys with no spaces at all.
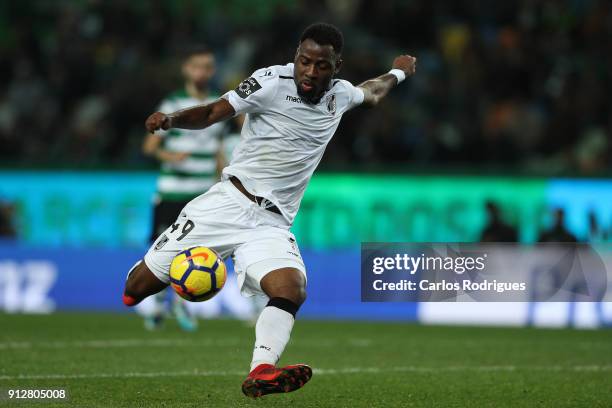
{"x":520,"y":85}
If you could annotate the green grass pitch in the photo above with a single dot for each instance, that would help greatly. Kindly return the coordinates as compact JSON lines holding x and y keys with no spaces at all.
{"x":107,"y":360}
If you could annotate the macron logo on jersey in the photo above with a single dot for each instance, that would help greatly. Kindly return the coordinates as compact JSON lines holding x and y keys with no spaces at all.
{"x":293,"y":99}
{"x":247,"y":87}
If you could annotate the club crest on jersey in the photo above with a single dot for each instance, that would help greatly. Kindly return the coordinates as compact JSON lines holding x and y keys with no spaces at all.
{"x":247,"y":87}
{"x":162,"y":241}
{"x":331,"y":104}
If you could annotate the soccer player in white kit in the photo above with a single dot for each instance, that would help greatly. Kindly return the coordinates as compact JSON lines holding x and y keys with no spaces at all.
{"x":292,"y":112}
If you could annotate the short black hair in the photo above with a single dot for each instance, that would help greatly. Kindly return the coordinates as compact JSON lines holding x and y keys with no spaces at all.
{"x":190,"y":50}
{"x":324,"y":34}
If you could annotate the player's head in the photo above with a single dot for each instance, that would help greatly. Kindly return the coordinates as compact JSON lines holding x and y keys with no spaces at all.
{"x":198,"y":65}
{"x":317,"y":59}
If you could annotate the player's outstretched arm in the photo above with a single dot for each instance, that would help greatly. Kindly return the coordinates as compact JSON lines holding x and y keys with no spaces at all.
{"x":376,"y":89}
{"x":198,"y":117}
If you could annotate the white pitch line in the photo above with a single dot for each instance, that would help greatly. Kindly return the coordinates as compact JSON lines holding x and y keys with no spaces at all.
{"x":416,"y":369}
{"x":193,"y":373}
{"x":140,"y":342}
{"x":317,"y":371}
{"x":117,"y":343}
{"x":122,"y":343}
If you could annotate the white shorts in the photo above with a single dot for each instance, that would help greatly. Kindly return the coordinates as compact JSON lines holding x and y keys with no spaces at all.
{"x":226,"y":221}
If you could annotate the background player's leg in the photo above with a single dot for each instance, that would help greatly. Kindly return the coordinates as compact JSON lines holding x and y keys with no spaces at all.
{"x":141,"y":283}
{"x":153,"y":309}
{"x":167,"y":215}
{"x":286,"y":288}
{"x":184,"y":317}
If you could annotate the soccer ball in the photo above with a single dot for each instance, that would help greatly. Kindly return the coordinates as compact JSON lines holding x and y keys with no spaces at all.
{"x":197,"y":274}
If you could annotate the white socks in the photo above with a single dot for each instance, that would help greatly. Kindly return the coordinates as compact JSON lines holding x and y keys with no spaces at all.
{"x":272,"y":333}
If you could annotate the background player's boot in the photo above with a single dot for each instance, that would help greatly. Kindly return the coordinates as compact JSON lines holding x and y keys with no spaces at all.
{"x":185,"y":320}
{"x":153,"y":323}
{"x":267,"y":379}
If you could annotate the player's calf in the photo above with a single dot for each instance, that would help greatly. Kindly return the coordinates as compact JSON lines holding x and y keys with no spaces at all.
{"x":141,"y":283}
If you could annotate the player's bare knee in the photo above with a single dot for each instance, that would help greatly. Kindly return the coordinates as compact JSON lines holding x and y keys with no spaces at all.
{"x":295,"y":292}
{"x":286,"y":283}
{"x":297,"y":295}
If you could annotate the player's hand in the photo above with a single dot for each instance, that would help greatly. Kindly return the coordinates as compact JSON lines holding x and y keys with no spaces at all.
{"x":406,"y":63}
{"x":157,"y":121}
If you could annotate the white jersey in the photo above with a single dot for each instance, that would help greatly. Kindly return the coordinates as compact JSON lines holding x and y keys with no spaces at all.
{"x":283,"y":137}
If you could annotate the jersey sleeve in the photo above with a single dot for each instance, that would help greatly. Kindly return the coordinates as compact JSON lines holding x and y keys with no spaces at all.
{"x":254,"y":93}
{"x":356,"y":95}
{"x":353,"y":96}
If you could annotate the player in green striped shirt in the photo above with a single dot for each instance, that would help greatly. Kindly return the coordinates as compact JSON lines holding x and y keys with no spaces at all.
{"x":191,"y":161}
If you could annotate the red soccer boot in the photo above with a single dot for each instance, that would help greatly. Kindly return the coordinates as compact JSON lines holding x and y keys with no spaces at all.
{"x":267,"y":379}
